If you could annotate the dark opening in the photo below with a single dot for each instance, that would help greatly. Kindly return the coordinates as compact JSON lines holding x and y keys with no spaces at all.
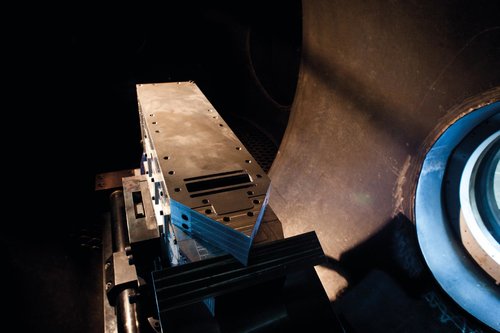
{"x":210,"y":184}
{"x":138,"y":206}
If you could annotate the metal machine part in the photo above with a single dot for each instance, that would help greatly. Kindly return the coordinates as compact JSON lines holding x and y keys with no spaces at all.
{"x":210,"y":266}
{"x":141,"y":220}
{"x":186,"y":284}
{"x":125,"y":275}
{"x":441,"y":230}
{"x":274,"y":263}
{"x":479,"y":220}
{"x":201,"y":175}
{"x":144,"y":232}
{"x":486,"y":177}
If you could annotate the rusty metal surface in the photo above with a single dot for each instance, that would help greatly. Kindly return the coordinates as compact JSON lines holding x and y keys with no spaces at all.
{"x":111,"y":180}
{"x":379,"y":81}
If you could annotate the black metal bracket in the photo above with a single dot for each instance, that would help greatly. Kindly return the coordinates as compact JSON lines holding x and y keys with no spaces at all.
{"x":120,"y":275}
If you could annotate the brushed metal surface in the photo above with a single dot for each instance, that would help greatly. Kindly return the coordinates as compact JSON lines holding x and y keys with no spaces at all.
{"x":199,"y":170}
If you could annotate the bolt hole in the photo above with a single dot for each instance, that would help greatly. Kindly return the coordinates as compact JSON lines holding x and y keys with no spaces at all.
{"x":157,"y":324}
{"x":226,"y":219}
{"x":205,"y":201}
{"x":184,"y":217}
{"x":171,"y":172}
{"x":177,"y":189}
{"x":250,"y":214}
{"x":153,"y":198}
{"x":157,"y":131}
{"x":161,"y":193}
{"x":152,"y":115}
{"x":185,"y":226}
{"x":256,"y":202}
{"x":208,"y":211}
{"x":155,"y":122}
{"x":166,"y":157}
{"x":238,"y":148}
{"x":221,"y":125}
{"x":248,"y":161}
{"x":259,"y":176}
{"x":250,"y":192}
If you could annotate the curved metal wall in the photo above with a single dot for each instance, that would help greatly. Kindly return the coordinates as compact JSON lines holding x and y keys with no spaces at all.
{"x":379,"y":81}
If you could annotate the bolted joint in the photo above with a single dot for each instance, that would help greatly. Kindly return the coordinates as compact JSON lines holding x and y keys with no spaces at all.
{"x":120,"y":274}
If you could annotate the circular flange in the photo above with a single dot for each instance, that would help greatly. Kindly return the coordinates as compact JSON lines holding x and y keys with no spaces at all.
{"x":449,"y":261}
{"x":477,"y":227}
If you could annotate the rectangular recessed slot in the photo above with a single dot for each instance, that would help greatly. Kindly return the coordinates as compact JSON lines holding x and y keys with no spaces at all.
{"x":138,"y":205}
{"x":220,"y":190}
{"x":213,"y":175}
{"x":213,"y":183}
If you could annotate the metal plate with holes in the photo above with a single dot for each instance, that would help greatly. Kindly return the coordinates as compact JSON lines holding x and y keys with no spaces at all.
{"x":111,"y":180}
{"x":198,"y":169}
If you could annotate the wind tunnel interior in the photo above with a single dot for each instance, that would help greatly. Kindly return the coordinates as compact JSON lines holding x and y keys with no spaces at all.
{"x":337,"y":101}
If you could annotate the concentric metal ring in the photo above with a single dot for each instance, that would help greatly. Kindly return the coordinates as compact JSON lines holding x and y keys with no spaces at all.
{"x":452,"y":266}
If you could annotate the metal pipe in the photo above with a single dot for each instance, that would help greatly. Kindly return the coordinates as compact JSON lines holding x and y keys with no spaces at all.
{"x":126,"y":312}
{"x":119,"y":230}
